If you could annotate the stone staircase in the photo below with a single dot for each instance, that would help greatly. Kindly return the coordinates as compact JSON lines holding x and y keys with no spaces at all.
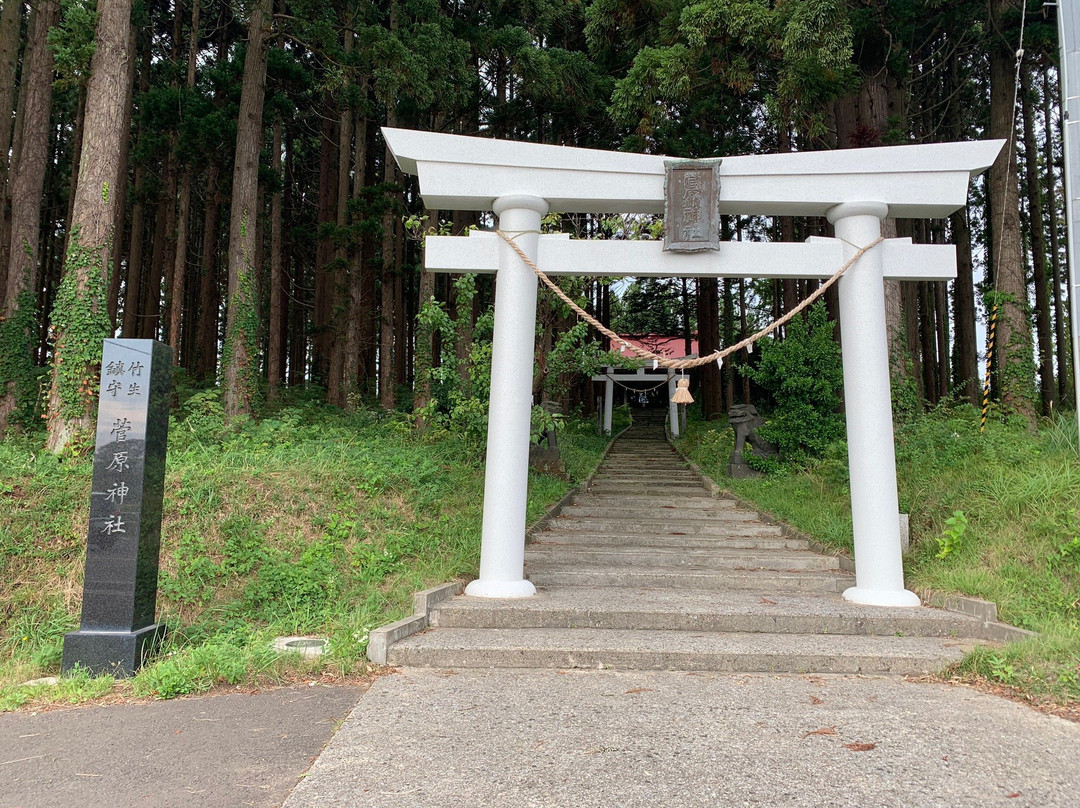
{"x":645,"y":570}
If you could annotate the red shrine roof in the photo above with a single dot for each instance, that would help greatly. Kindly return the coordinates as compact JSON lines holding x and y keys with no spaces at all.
{"x":673,"y":347}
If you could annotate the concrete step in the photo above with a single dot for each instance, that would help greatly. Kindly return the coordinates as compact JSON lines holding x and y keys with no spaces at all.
{"x":664,"y":461}
{"x":646,"y":474}
{"x":636,"y":513}
{"x":719,"y":558}
{"x":669,"y":527}
{"x":698,"y":500}
{"x":675,"y":650}
{"x":646,"y":451}
{"x":647,"y":478}
{"x":649,"y":474}
{"x":573,"y":538}
{"x":646,"y":448}
{"x":633,"y":491}
{"x":553,"y":575}
{"x":644,"y":462}
{"x":651,"y":453}
{"x":691,"y":610}
{"x":656,"y":488}
{"x":641,"y":460}
{"x":626,"y":465}
{"x":661,"y":461}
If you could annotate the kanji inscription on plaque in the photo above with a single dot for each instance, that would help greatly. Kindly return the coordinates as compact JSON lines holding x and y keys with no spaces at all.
{"x":691,"y":205}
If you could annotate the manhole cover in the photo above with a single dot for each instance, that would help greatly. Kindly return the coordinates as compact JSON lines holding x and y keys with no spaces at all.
{"x":307,"y":646}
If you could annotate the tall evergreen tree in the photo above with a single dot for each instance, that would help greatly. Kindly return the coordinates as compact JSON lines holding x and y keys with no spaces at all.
{"x":80,"y":316}
{"x":1014,"y":342}
{"x":17,"y":332}
{"x":240,"y":360}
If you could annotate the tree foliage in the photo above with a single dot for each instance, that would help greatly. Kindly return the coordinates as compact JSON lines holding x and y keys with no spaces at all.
{"x":803,"y":375}
{"x":350,"y":315}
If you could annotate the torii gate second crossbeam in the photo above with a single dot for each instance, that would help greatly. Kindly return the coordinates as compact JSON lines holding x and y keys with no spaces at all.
{"x":854,"y":188}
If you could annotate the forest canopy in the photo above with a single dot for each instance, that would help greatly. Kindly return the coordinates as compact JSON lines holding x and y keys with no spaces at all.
{"x":213,"y":175}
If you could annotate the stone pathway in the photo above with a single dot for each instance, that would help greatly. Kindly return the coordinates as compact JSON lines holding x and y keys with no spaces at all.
{"x":645,"y":570}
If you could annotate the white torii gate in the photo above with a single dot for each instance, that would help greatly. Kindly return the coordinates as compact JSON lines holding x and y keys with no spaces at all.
{"x":855,"y":189}
{"x":610,"y":377}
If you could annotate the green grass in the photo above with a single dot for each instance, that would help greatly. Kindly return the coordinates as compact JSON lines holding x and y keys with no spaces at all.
{"x":75,"y":688}
{"x":1019,"y":492}
{"x":308,"y":521}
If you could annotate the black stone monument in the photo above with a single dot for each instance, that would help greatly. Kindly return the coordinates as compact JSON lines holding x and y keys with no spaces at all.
{"x":117,"y":631}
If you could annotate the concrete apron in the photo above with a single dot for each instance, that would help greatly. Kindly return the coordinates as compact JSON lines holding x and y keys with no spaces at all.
{"x":427,"y":738}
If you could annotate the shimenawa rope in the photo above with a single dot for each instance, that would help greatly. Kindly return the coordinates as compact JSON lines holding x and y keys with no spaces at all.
{"x":683,"y":364}
{"x":635,"y":389}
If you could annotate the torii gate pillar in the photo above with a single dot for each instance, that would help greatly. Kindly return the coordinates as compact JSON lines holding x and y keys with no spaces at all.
{"x":879,"y":571}
{"x":609,"y":395}
{"x":673,"y":408}
{"x":506,"y":481}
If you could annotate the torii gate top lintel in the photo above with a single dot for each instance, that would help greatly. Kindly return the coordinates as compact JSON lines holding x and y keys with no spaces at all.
{"x":457,"y":172}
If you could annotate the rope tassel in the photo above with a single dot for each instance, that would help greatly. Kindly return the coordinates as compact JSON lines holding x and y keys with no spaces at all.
{"x":682,"y":392}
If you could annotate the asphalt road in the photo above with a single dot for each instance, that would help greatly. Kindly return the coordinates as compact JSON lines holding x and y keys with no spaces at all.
{"x":229,"y":750}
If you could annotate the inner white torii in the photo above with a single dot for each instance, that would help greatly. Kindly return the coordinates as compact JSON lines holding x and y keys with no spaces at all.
{"x":854,"y":188}
{"x":610,"y":377}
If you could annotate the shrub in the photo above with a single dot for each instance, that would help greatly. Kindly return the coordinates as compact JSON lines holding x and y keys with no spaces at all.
{"x":804,"y":376}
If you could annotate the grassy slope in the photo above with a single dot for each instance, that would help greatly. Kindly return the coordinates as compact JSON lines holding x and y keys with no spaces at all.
{"x":1019,"y":492}
{"x":307,"y":522}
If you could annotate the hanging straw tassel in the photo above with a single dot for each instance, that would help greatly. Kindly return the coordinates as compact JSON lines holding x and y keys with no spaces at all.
{"x":682,"y":392}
